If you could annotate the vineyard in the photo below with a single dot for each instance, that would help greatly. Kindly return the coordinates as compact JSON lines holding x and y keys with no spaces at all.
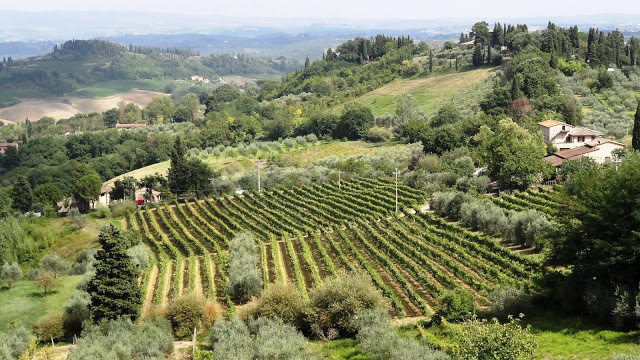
{"x":308,"y":233}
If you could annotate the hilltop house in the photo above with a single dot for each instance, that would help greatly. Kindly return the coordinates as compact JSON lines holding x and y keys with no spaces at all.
{"x":599,"y":150}
{"x":4,"y":146}
{"x":197,"y":78}
{"x":466,"y":45}
{"x":565,"y":136}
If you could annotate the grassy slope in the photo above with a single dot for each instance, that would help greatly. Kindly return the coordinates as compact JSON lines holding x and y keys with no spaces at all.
{"x":558,"y":337}
{"x":427,"y":91}
{"x":26,"y":304}
{"x":298,"y":157}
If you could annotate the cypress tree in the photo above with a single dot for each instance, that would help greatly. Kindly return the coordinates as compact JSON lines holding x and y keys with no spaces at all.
{"x":178,"y":172}
{"x":635,"y":142}
{"x":430,"y":60}
{"x":22,"y":195}
{"x":306,"y":62}
{"x":114,"y":288}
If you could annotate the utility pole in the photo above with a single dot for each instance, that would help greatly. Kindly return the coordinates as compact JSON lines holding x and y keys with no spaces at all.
{"x":258,"y":162}
{"x":396,"y":174}
{"x":617,"y":161}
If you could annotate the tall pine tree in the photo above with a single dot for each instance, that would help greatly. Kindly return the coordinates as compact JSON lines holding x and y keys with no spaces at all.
{"x":114,"y":288}
{"x":635,"y":142}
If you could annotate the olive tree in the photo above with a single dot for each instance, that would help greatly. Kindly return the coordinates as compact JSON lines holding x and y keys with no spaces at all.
{"x":244,"y":280}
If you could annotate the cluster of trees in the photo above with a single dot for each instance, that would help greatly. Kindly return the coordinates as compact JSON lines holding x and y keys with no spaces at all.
{"x":242,"y":64}
{"x":599,"y":240}
{"x":126,"y":63}
{"x":361,"y":50}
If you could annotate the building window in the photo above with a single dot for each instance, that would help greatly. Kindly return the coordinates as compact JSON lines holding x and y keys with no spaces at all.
{"x":593,"y":137}
{"x":562,"y":127}
{"x":580,"y":138}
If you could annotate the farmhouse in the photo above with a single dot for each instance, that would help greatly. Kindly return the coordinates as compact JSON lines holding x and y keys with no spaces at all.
{"x":105,"y":196}
{"x":565,"y":136}
{"x":4,"y":146}
{"x":466,"y":45}
{"x":599,"y":150}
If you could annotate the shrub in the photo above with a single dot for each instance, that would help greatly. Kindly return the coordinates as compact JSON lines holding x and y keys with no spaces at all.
{"x":378,"y":134}
{"x":525,"y":227}
{"x":47,"y":281}
{"x":429,"y":163}
{"x":187,"y":312}
{"x":378,"y":340}
{"x":231,"y":340}
{"x":102,"y":211}
{"x":301,"y":140}
{"x":121,"y":339}
{"x":33,"y":273}
{"x":84,"y":262}
{"x":456,"y":305}
{"x":10,"y":273}
{"x":78,"y":220}
{"x":139,"y":257}
{"x":14,"y":342}
{"x":55,"y":264}
{"x":262,"y":339}
{"x":48,"y":328}
{"x":339,"y":298}
{"x":76,"y":311}
{"x":244,"y":280}
{"x":484,"y":340}
{"x":122,"y":208}
{"x":448,"y":204}
{"x":282,"y":301}
{"x":509,"y":301}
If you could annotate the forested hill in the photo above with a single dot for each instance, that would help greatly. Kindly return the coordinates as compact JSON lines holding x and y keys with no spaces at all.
{"x":79,"y":63}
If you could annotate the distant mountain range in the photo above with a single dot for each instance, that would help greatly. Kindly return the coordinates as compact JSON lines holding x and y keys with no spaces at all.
{"x":27,"y":34}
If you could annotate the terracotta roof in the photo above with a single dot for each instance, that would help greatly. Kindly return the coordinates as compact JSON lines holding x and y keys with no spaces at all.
{"x":105,"y":189}
{"x":577,"y":152}
{"x":597,"y":142}
{"x":583,"y":131}
{"x":8,"y":144}
{"x":550,"y":123}
{"x":129,"y":126}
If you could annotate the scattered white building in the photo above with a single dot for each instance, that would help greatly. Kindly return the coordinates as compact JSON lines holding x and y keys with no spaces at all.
{"x":197,"y":78}
{"x":565,"y":136}
{"x":599,"y":150}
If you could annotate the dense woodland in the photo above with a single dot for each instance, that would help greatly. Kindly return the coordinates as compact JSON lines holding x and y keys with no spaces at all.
{"x":581,"y":232}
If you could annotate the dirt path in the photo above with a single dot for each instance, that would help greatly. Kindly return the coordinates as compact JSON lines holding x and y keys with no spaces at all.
{"x":197,"y":284}
{"x":283,"y":268}
{"x":167,"y":284}
{"x":212,"y":269}
{"x":180,"y":273}
{"x":125,"y":224}
{"x":153,"y":278}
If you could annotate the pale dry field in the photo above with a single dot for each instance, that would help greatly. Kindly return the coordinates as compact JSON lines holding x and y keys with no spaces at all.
{"x":36,"y":108}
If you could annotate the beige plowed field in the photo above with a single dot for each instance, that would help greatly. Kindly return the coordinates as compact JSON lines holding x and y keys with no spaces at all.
{"x":37,"y":108}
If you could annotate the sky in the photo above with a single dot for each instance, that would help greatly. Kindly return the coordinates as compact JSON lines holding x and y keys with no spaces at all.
{"x":344,"y":9}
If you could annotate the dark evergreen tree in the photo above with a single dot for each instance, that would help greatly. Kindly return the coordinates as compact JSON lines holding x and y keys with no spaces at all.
{"x":430,"y":60}
{"x":635,"y":142}
{"x":478,"y":55}
{"x":488,"y":54}
{"x":307,"y":62}
{"x":114,"y":288}
{"x":178,"y":174}
{"x":22,"y":195}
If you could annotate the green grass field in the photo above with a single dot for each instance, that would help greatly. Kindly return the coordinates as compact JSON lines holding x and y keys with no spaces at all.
{"x":25,"y":304}
{"x":298,"y":157}
{"x":115,"y":87}
{"x":426,"y":90}
{"x":558,"y":336}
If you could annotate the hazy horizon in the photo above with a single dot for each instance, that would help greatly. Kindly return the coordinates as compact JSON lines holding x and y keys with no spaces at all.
{"x":335,"y":9}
